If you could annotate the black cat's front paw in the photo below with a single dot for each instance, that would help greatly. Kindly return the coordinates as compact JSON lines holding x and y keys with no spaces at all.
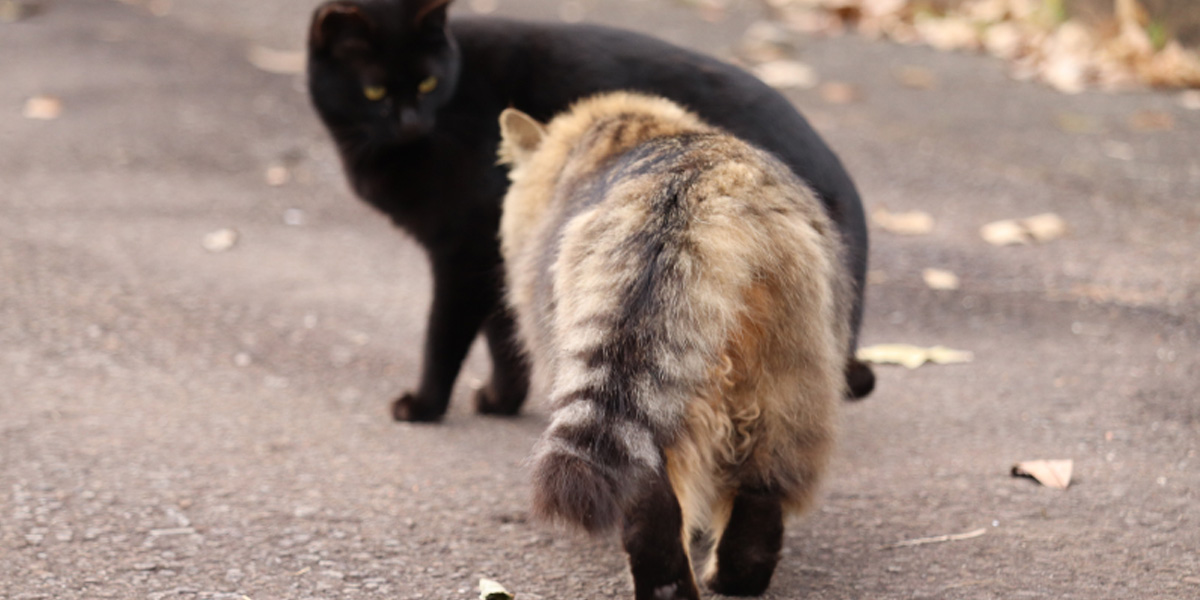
{"x":489,"y":402}
{"x":412,"y":408}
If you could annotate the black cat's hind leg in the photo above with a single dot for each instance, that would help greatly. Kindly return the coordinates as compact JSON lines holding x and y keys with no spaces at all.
{"x":460,"y":305}
{"x":654,"y":539}
{"x":860,"y":379}
{"x":748,"y":549}
{"x":506,"y":391}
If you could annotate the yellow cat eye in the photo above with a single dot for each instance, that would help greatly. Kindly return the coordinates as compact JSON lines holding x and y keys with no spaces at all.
{"x":374,"y":92}
{"x":428,"y":85}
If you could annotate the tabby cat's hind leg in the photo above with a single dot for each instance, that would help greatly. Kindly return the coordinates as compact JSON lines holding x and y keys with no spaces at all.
{"x":748,"y":549}
{"x":654,"y":539}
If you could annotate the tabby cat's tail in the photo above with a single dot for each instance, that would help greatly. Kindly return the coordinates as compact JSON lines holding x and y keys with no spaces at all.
{"x":640,"y":324}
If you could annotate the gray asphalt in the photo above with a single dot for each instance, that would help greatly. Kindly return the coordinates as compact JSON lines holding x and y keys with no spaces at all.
{"x":179,"y":423}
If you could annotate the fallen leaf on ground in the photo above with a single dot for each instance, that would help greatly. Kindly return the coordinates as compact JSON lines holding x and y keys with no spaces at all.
{"x":1044,"y":227}
{"x":786,"y":74}
{"x":1004,"y":233}
{"x":278,"y":175}
{"x":912,"y":356}
{"x":1190,"y":99}
{"x":1074,"y":123}
{"x":1151,"y":120}
{"x":281,"y":62}
{"x":43,"y":108}
{"x":839,"y":92}
{"x":220,"y":240}
{"x":906,"y":223}
{"x":917,"y":78}
{"x":940,"y":279}
{"x":1054,"y":474}
{"x":1038,"y":228}
{"x":490,"y":590}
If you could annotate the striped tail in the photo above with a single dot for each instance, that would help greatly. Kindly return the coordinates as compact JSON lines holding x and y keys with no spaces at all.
{"x":638,"y":324}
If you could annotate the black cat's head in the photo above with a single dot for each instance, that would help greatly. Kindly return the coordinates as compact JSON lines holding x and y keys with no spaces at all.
{"x":378,"y":70}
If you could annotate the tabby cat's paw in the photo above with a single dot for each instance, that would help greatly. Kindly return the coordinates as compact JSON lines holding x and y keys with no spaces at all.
{"x":411,"y":408}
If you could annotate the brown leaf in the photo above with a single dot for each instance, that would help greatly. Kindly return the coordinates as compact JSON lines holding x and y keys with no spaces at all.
{"x":43,"y":107}
{"x":1054,"y":474}
{"x":784,"y":74}
{"x":1151,"y":120}
{"x":906,"y":223}
{"x":918,"y":78}
{"x":280,"y":62}
{"x":1038,"y":228}
{"x":839,"y":92}
{"x":940,"y":279}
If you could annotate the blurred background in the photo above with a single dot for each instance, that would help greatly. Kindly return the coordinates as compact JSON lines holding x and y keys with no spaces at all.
{"x":201,"y":329}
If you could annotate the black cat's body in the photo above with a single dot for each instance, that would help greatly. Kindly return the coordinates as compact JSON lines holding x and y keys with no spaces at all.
{"x":440,"y":182}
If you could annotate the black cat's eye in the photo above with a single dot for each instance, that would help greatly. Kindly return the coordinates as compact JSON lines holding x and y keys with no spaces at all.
{"x":428,"y":85}
{"x":374,"y":92}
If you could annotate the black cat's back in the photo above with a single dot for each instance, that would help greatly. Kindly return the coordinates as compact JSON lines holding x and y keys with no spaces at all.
{"x":541,"y":68}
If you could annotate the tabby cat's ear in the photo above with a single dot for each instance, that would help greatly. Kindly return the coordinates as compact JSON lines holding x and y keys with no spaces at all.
{"x":339,"y":25}
{"x":520,"y":135}
{"x":430,"y":14}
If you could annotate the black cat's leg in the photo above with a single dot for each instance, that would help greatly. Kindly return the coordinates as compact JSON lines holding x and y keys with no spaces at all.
{"x":654,"y":539}
{"x":860,"y":379}
{"x":460,"y":305}
{"x":748,"y":549}
{"x":506,"y":391}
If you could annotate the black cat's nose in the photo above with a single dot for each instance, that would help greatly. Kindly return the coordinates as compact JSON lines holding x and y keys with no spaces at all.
{"x":411,"y":124}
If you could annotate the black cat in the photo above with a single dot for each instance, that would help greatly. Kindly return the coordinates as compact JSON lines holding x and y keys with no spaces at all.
{"x":412,"y":102}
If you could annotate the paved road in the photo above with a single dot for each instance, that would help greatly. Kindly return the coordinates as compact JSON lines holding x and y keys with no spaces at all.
{"x":178,"y":423}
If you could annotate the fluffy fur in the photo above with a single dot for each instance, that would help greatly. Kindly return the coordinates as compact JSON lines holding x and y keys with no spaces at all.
{"x":412,"y":98}
{"x":685,"y":303}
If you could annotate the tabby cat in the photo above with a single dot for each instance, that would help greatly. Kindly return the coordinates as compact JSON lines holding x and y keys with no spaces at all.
{"x":685,"y":304}
{"x":411,"y":101}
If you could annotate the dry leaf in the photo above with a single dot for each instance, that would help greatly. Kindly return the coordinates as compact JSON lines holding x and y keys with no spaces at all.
{"x":281,"y":62}
{"x":491,"y":590}
{"x":43,"y":108}
{"x":1151,"y":120}
{"x":1044,"y":227}
{"x":1076,"y":123}
{"x":1190,"y":99}
{"x":1038,"y":228}
{"x":220,"y":240}
{"x":918,"y":78}
{"x":1050,"y":473}
{"x":838,"y":92}
{"x":787,"y":74}
{"x":907,"y":223}
{"x":278,"y":175}
{"x":1004,"y":233}
{"x":912,"y":356}
{"x":940,"y":279}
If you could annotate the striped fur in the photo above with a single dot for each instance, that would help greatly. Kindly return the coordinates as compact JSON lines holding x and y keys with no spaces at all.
{"x":683,"y":300}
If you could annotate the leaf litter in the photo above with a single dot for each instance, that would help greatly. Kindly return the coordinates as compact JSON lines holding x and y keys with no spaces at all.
{"x":1037,"y":37}
{"x":1040,"y":228}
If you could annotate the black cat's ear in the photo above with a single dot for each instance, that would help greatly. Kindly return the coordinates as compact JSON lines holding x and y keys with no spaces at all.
{"x":520,"y":136}
{"x":338,"y":25}
{"x":431,"y":14}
